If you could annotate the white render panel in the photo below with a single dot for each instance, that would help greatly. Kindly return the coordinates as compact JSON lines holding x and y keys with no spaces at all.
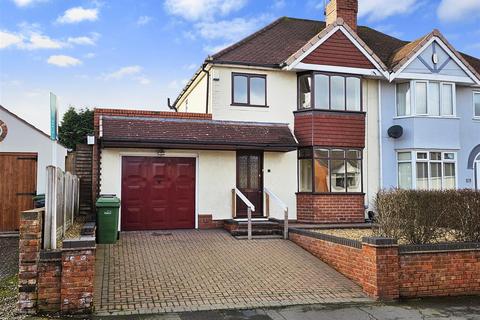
{"x":23,"y":138}
{"x":197,"y":97}
{"x":371,"y":155}
{"x":281,"y":96}
{"x":282,"y":181}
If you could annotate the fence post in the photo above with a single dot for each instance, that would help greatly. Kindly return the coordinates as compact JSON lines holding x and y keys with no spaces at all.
{"x":234,"y":204}
{"x":285,"y":225}
{"x":249,"y":215}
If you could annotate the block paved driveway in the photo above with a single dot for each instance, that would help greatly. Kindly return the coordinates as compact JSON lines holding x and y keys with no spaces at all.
{"x":162,"y":271}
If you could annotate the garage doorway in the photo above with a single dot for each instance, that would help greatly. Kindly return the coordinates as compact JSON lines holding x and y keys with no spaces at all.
{"x":18,"y":185}
{"x":158,"y":193}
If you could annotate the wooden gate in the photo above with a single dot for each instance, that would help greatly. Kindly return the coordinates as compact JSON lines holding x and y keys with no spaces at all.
{"x":18,"y":184}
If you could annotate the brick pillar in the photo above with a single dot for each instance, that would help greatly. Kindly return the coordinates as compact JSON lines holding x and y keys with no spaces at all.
{"x":30,"y":243}
{"x":78,"y":271}
{"x":381,"y":268}
{"x":49,"y":281}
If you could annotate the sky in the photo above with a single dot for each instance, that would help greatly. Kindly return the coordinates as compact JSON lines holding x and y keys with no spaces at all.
{"x":136,"y":53}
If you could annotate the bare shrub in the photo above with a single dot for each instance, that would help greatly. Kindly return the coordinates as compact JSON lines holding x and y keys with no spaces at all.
{"x":421,"y":216}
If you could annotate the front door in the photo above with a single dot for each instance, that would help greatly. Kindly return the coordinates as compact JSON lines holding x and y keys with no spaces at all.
{"x":250,"y":181}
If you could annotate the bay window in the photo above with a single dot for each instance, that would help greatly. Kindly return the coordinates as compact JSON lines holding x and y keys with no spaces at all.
{"x":329,"y":92}
{"x":330,"y":170}
{"x":425,"y":98}
{"x":426,"y":170}
{"x":476,"y":104}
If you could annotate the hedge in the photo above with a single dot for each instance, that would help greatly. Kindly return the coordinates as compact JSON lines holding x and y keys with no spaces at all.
{"x":418,"y":217}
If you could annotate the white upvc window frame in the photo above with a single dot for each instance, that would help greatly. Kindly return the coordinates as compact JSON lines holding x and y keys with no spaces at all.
{"x":412,"y":97}
{"x":475,"y":116}
{"x":414,"y":160}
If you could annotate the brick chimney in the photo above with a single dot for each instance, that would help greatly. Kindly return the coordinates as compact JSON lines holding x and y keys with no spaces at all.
{"x":345,"y":9}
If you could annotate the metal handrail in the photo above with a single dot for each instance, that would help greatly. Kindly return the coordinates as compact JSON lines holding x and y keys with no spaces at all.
{"x":250,"y":208}
{"x":282,"y":204}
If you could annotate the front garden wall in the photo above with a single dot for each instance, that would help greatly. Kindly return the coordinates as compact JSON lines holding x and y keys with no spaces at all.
{"x":387,"y":271}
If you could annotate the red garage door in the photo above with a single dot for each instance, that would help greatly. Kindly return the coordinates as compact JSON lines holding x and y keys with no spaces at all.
{"x":158,"y":193}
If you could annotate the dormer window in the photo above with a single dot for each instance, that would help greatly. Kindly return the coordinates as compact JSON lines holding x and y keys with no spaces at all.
{"x":425,"y":98}
{"x":329,"y":92}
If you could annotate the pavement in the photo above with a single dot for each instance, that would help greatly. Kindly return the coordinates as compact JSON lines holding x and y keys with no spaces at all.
{"x":426,"y":309}
{"x":195,"y":270}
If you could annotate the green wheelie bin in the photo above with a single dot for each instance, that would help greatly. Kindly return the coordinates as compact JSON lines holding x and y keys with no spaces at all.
{"x":107,"y":218}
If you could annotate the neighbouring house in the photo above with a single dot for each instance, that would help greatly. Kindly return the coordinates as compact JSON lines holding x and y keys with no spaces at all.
{"x":25,"y":152}
{"x":322,"y":114}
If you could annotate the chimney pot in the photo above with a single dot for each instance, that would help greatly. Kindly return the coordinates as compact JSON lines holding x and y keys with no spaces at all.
{"x":342,"y":9}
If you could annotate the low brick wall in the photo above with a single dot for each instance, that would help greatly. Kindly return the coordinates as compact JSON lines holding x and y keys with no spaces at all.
{"x":205,"y":221}
{"x":330,"y":208}
{"x":387,"y":271}
{"x":55,"y":280}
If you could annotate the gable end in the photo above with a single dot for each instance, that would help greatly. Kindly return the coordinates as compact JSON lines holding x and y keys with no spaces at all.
{"x":338,"y":50}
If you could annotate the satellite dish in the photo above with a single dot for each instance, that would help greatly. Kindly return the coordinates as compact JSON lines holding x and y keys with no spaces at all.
{"x":395,"y":132}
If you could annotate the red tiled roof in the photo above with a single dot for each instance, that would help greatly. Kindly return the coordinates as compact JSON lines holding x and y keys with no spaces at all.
{"x":120,"y":131}
{"x":274,"y":44}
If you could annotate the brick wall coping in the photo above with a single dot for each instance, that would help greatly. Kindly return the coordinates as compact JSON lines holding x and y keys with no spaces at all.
{"x":49,"y":255}
{"x":84,"y":242}
{"x":379,"y":241}
{"x":439,"y":247}
{"x":327,"y":237}
{"x":31,"y":214}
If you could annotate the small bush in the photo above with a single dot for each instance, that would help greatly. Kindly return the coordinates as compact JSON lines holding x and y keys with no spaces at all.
{"x":418,"y":216}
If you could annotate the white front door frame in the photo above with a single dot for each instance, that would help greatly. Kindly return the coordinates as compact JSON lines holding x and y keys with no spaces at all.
{"x":476,"y":167}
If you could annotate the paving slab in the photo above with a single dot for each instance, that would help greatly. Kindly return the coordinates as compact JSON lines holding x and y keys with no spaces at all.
{"x":191,"y":270}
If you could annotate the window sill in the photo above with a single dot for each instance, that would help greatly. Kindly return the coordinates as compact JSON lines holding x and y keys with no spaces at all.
{"x":248,"y":105}
{"x":332,"y":193}
{"x":476,"y":119}
{"x":426,"y":117}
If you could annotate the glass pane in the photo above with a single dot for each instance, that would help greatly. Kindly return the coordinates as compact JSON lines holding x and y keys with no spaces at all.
{"x":305,"y":90}
{"x":403,"y":99}
{"x":243,"y":172}
{"x":435,"y":176}
{"x":435,"y":156}
{"x":476,"y":99}
{"x":338,"y":154}
{"x":405,"y":175}
{"x":338,"y":93}
{"x":353,"y":94}
{"x":449,"y":156}
{"x":354,"y":177}
{"x":404,"y":156}
{"x":449,"y":176}
{"x":240,"y":89}
{"x":422,"y":155}
{"x":321,"y":153}
{"x":322,"y":179}
{"x":254,"y":173}
{"x":447,"y":99}
{"x":322,"y":89}
{"x":422,"y":175}
{"x":421,"y":98}
{"x":354,"y":154}
{"x":257,"y":91}
{"x":305,"y":153}
{"x":338,"y":175}
{"x":434,"y":99}
{"x":305,"y":175}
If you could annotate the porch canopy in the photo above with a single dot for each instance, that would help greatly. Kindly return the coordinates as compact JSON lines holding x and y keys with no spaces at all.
{"x":150,"y":132}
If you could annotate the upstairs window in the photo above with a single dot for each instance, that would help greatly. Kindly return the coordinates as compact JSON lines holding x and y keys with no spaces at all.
{"x":249,"y":89}
{"x":425,"y":98}
{"x":329,"y":92}
{"x":476,"y":105}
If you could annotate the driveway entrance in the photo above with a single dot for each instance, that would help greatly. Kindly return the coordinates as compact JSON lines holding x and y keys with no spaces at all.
{"x":187,"y":270}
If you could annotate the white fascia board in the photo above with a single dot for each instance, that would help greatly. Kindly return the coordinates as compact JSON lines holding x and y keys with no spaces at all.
{"x":435,"y":77}
{"x":297,"y":62}
{"x":396,"y":74}
{"x":326,"y":68}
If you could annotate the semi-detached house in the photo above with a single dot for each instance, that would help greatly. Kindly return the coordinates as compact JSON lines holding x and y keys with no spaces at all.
{"x":320,"y":114}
